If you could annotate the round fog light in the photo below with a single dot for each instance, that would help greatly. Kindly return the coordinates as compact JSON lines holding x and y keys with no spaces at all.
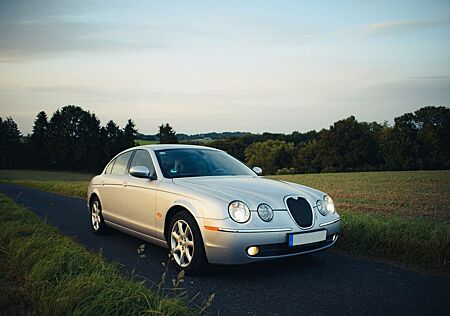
{"x":252,"y":251}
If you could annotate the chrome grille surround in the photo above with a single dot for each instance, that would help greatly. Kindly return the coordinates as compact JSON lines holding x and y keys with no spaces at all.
{"x":311,"y":209}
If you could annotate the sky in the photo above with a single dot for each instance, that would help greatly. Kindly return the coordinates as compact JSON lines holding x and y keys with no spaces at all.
{"x":276,"y":66}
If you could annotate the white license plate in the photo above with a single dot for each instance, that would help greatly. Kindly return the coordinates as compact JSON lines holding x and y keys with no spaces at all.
{"x":307,"y":238}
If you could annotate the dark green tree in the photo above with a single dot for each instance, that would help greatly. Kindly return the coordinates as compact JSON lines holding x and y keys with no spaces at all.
{"x":74,"y":140}
{"x":419,"y":140}
{"x":11,"y":148}
{"x":129,"y":134}
{"x":64,"y":133}
{"x":434,"y":136}
{"x":270,"y":155}
{"x":306,"y":160}
{"x":348,"y":145}
{"x":167,"y":135}
{"x":38,"y":145}
{"x":89,"y":155}
{"x":112,"y":138}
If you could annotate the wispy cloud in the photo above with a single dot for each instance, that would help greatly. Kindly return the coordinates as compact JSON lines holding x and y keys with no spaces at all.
{"x":36,"y":30}
{"x":392,"y":28}
{"x":400,"y":26}
{"x":429,"y":77}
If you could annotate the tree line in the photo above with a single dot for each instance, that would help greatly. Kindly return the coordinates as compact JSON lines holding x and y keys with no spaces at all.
{"x":73,"y":139}
{"x":419,"y":140}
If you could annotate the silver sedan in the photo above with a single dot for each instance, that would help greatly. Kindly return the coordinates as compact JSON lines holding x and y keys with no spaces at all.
{"x":206,"y":206}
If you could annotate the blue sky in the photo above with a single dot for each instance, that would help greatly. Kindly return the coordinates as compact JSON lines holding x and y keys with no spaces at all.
{"x":203,"y":66}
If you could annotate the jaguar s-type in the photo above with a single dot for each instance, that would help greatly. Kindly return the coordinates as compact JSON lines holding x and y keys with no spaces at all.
{"x":207,"y":207}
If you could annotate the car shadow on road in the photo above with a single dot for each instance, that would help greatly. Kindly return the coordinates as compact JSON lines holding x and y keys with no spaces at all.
{"x":149,"y":263}
{"x":272,"y":267}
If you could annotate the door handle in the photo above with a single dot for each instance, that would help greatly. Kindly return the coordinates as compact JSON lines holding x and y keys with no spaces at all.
{"x":125,"y":184}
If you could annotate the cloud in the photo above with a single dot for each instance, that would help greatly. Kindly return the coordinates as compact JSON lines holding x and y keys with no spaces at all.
{"x":30,"y":30}
{"x":429,"y":78}
{"x":262,"y":30}
{"x":400,"y":27}
{"x":392,"y":28}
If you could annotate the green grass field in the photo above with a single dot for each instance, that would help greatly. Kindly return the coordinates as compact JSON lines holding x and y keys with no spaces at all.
{"x":65,"y":183}
{"x":141,"y":142}
{"x":399,"y":216}
{"x":407,"y":194}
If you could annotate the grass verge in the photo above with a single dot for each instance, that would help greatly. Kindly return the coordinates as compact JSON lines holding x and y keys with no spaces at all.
{"x":63,"y":278}
{"x":73,"y":189}
{"x":15,"y":299}
{"x":418,"y":243}
{"x":60,"y":182}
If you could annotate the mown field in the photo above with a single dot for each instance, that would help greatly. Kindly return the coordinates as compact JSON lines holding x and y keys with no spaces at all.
{"x":64,"y":183}
{"x":141,"y":142}
{"x":399,"y":216}
{"x":407,"y":194}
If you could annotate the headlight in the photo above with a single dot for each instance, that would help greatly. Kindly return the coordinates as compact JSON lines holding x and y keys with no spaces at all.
{"x":265,"y":212}
{"x":329,"y":205}
{"x":239,"y":212}
{"x":321,"y":207}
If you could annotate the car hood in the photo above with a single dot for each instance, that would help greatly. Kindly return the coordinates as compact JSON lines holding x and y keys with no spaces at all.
{"x":250,"y":190}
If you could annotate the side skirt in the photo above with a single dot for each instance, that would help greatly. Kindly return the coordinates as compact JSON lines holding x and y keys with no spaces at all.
{"x":129,"y":231}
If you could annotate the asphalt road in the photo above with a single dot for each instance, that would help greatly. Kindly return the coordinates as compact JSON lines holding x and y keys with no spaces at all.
{"x":325,"y":283}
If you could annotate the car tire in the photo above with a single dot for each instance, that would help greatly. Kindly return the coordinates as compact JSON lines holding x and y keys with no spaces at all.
{"x":97,"y":223}
{"x":186,"y":244}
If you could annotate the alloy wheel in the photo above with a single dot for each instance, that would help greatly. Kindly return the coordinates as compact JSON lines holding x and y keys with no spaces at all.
{"x":182,"y":243}
{"x":95,"y":215}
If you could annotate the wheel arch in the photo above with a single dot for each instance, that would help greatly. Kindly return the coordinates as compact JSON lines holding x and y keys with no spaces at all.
{"x":173,"y":210}
{"x":93,"y":196}
{"x":170,"y":214}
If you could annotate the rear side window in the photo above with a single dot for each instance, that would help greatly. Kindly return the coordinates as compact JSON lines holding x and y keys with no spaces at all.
{"x":142,"y":158}
{"x":120,"y":166}
{"x":110,"y":166}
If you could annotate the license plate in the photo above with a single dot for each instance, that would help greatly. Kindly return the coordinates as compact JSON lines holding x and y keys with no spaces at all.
{"x":307,"y":238}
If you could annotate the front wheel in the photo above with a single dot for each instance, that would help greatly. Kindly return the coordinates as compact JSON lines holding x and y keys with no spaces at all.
{"x":186,"y":244}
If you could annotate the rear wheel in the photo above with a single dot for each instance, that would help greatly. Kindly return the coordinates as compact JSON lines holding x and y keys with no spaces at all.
{"x":97,"y":223}
{"x":186,"y":244}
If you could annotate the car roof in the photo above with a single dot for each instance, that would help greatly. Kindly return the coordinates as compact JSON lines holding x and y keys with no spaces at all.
{"x":173,"y":146}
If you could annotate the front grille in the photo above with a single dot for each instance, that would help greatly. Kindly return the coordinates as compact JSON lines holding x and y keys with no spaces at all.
{"x":301,"y":211}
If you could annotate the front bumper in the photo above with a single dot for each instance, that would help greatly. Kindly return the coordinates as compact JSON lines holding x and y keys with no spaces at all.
{"x":229,"y":247}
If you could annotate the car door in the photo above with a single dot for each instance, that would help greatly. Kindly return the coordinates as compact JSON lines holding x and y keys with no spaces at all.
{"x":140,"y":196}
{"x":112,"y":189}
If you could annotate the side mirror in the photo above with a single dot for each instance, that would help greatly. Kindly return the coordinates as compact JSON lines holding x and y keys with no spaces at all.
{"x":257,"y":170}
{"x":140,"y":172}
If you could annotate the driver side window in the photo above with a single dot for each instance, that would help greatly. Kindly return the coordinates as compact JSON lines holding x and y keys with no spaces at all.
{"x":142,"y":158}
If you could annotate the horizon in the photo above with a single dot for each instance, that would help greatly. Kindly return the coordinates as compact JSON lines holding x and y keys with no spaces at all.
{"x":224,"y":66}
{"x":103,"y":123}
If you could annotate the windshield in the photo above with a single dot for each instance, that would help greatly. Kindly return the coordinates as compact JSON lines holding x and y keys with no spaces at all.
{"x":193,"y":162}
